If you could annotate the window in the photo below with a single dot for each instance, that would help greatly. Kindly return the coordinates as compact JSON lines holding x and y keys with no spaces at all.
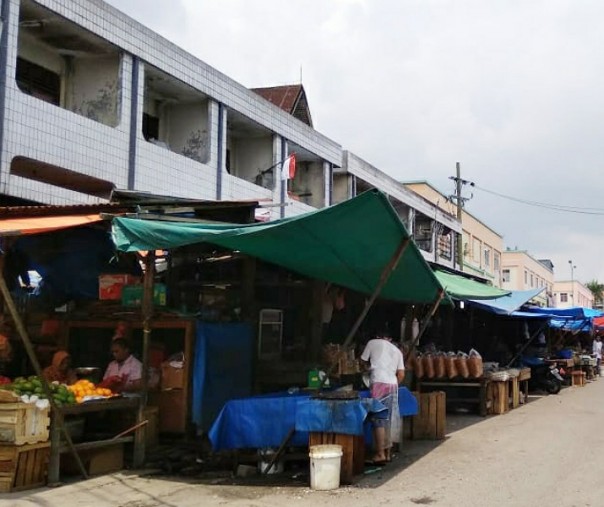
{"x":532,"y":281}
{"x":150,"y":127}
{"x":505,"y":275}
{"x":563,"y":297}
{"x":496,"y":261}
{"x":475,"y":250}
{"x":38,"y":82}
{"x":487,"y":258}
{"x":525,"y":277}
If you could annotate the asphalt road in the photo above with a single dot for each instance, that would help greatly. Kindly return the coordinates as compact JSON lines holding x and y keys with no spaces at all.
{"x":546,"y":453}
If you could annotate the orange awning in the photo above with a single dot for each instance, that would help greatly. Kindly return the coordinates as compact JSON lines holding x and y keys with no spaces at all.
{"x":36,"y":225}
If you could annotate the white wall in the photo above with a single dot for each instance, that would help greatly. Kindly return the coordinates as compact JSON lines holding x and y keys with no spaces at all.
{"x":93,"y":88}
{"x":341,"y":187}
{"x":310,"y":179}
{"x":250,"y":156}
{"x":185,"y":129}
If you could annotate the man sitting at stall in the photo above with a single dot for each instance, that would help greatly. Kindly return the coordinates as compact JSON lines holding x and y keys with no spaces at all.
{"x":124,"y":373}
{"x":60,"y":369}
{"x":387,"y":371}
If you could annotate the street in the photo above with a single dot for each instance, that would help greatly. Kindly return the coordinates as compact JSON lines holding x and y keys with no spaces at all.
{"x":548,"y":452}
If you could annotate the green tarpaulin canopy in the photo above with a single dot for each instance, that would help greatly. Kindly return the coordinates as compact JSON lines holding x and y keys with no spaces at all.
{"x":348,"y":244}
{"x":459,"y":287}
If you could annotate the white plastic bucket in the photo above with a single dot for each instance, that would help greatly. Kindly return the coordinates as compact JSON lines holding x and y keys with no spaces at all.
{"x":325,"y":463}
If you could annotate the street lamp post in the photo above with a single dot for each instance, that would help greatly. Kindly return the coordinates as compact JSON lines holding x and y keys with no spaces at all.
{"x":572,"y":281}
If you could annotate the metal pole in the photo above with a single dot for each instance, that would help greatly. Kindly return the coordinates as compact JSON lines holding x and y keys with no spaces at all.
{"x":56,"y":411}
{"x":459,"y":215}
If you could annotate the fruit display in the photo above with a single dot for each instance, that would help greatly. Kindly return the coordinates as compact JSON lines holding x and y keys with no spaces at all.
{"x":30,"y":390}
{"x":84,"y":390}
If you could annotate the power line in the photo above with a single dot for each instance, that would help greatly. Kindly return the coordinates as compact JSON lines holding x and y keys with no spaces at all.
{"x":553,"y":207}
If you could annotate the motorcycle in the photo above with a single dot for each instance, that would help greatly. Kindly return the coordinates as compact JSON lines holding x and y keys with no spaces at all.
{"x":544,"y":377}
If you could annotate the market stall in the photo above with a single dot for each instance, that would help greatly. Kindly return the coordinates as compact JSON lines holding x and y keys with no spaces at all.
{"x":359,"y":245}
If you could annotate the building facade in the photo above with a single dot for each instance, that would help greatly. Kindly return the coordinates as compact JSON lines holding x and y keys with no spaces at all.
{"x":482,"y":246}
{"x":569,"y":293}
{"x":92,"y":101}
{"x":521,"y":271}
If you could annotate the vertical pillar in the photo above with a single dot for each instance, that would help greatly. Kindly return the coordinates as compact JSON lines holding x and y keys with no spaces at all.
{"x":221,"y":146}
{"x":135,"y":113}
{"x":328,"y":185}
{"x":282,"y":183}
{"x":6,"y":14}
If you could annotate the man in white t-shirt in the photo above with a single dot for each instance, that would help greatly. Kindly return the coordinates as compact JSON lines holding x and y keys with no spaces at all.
{"x":597,"y":351}
{"x":387,"y":371}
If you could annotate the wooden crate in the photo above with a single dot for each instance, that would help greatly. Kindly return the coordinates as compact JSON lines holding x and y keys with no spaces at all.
{"x":23,"y":423}
{"x":353,"y":452}
{"x":579,"y":378}
{"x":23,"y":467}
{"x":431,"y":421}
{"x":499,"y":395}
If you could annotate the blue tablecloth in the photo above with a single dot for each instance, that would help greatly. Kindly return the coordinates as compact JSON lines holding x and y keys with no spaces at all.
{"x":264,"y":421}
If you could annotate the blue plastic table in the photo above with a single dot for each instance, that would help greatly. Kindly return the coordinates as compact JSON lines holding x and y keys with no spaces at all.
{"x":264,"y":421}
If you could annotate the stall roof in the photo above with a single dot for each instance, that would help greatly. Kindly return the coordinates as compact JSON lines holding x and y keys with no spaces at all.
{"x":36,"y":225}
{"x":348,"y":244}
{"x":505,"y":305}
{"x":460,"y":287}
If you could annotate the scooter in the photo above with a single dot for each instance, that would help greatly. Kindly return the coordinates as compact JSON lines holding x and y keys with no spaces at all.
{"x":544,"y":376}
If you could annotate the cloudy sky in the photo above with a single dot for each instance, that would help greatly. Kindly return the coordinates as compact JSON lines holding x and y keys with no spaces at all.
{"x":512,"y":89}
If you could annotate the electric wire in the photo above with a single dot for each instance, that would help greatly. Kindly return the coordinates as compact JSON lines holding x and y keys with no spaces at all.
{"x":553,"y":207}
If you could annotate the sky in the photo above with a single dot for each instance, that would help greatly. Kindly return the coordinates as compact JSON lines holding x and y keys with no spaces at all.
{"x":513,"y":90}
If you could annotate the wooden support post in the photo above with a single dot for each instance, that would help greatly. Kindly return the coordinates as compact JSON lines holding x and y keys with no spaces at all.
{"x":147,"y":311}
{"x":316,"y":320}
{"x":56,"y":411}
{"x":384,"y":277}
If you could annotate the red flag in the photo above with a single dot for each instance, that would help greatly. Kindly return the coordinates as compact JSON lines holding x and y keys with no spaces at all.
{"x":288,"y":169}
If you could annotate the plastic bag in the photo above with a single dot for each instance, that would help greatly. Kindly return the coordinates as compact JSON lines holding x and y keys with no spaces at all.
{"x":428,"y":363}
{"x":450,"y":365}
{"x":461,"y":362}
{"x":418,"y":364}
{"x":475,"y":366}
{"x":440,"y":370}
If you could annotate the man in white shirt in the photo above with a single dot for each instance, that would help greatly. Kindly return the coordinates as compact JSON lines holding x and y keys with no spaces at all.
{"x":387,"y":371}
{"x":597,"y":351}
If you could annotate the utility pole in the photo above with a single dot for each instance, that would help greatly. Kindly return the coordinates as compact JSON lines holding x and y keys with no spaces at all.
{"x":459,"y":201}
{"x":459,"y":215}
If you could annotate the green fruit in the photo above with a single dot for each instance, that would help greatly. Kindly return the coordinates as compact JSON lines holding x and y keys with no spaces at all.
{"x":17,"y":391}
{"x":26,"y":386}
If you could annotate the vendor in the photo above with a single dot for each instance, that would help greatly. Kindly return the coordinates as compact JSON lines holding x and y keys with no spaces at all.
{"x":60,"y":369}
{"x":124,"y":373}
{"x":387,"y":371}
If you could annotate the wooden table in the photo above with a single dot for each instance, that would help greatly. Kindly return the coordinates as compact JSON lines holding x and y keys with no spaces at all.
{"x":446,"y":385}
{"x":58,"y":447}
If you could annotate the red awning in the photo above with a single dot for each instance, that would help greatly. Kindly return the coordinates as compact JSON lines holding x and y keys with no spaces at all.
{"x":36,"y":225}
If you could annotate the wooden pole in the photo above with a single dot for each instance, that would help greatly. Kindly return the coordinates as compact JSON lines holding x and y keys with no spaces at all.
{"x":56,"y":411}
{"x":147,"y":312}
{"x":425,"y":322}
{"x":384,"y":277}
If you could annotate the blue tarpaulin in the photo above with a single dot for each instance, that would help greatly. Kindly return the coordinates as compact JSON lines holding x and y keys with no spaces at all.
{"x":222,"y":369}
{"x":505,"y":305}
{"x":264,"y":421}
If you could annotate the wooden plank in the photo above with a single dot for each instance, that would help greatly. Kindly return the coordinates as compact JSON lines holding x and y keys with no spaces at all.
{"x":515,"y":393}
{"x":347,"y":463}
{"x":432,"y":413}
{"x":441,"y":415}
{"x":22,"y":468}
{"x":97,"y":444}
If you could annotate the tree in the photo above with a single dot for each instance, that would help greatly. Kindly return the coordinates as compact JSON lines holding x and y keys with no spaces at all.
{"x":597,"y":289}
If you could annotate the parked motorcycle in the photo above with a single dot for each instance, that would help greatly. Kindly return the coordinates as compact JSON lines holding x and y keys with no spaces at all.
{"x":544,"y":377}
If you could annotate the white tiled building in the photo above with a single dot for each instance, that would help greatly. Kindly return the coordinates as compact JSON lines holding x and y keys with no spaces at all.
{"x":91,"y":100}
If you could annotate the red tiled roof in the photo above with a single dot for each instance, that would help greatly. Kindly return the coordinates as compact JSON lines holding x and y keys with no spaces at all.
{"x":285,"y":97}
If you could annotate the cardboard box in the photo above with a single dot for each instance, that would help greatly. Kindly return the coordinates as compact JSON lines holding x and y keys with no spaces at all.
{"x":110,"y":286}
{"x":104,"y":460}
{"x":172,"y":378}
{"x":172,"y":407}
{"x":132,"y":295}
